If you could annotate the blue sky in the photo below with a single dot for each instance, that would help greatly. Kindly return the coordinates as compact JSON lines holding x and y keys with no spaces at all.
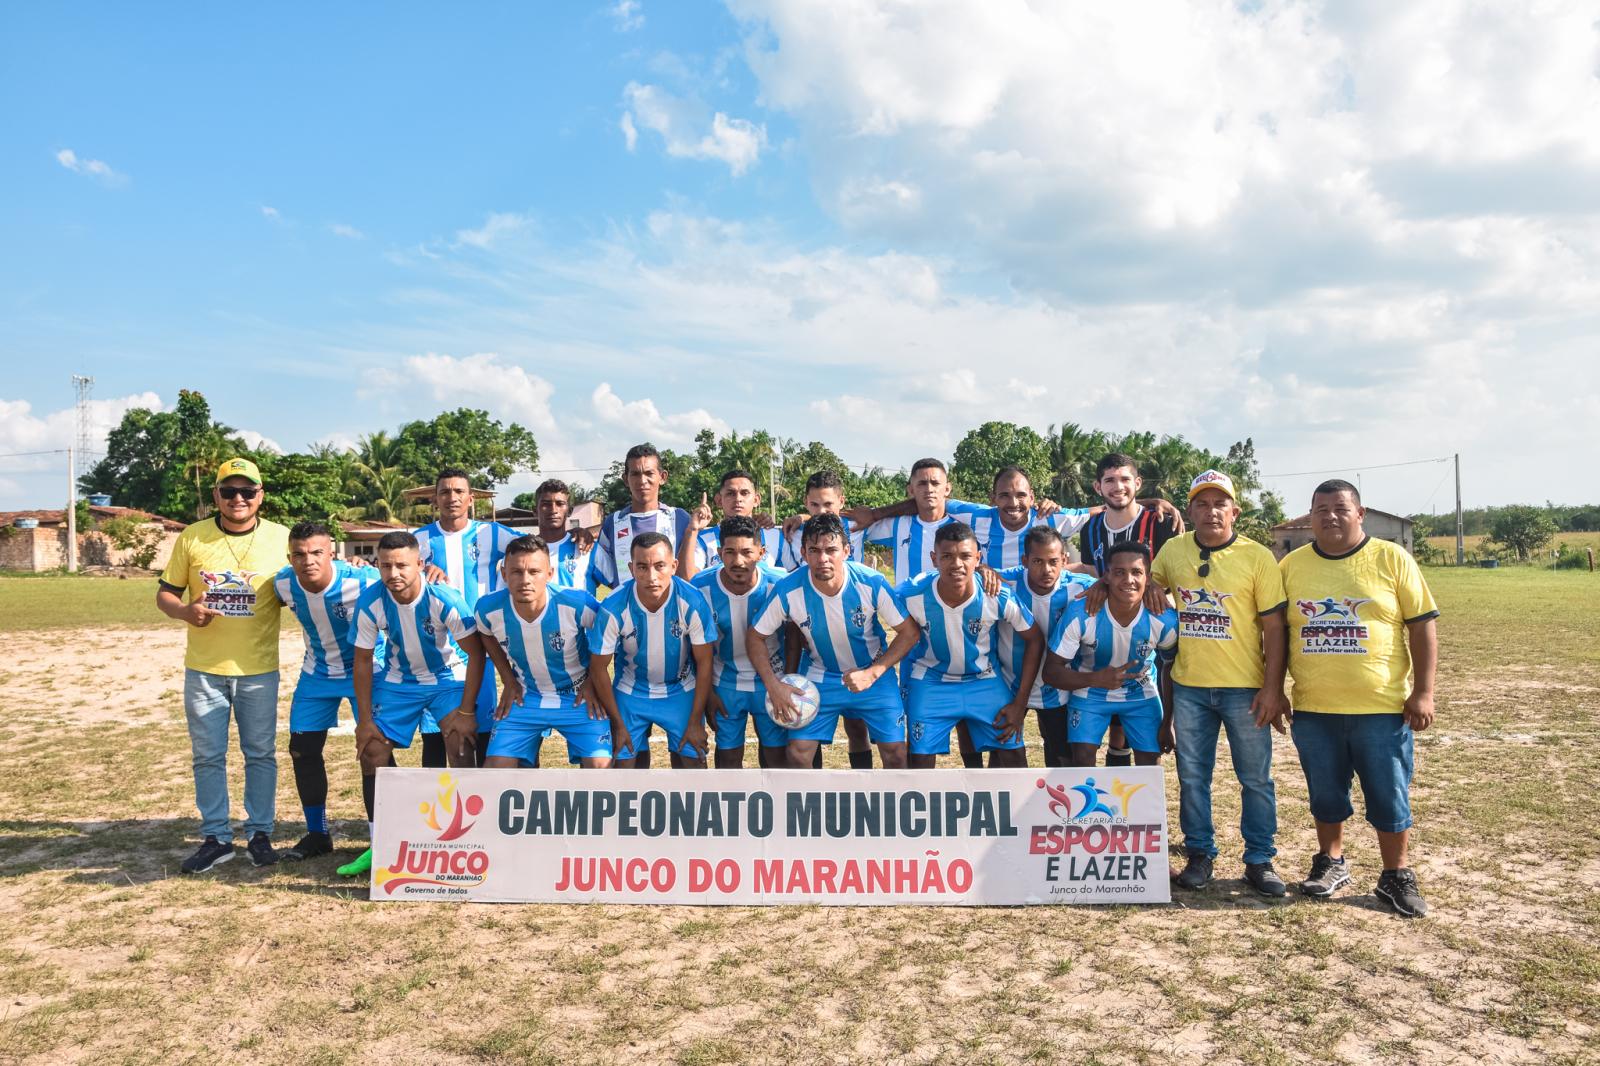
{"x":1355,"y":235}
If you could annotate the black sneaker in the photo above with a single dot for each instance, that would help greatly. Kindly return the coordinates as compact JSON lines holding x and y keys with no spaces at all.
{"x":311,"y":845}
{"x":1328,"y":875}
{"x":260,"y":849}
{"x":1196,"y":872}
{"x":1265,"y":880}
{"x":1398,"y":888}
{"x":210,"y":853}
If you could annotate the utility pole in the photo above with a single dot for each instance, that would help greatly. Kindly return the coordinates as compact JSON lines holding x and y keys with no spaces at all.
{"x":1461,"y":549}
{"x":72,"y":514}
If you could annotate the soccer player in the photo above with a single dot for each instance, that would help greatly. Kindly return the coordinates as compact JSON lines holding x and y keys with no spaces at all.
{"x":1108,"y":661}
{"x":1228,"y":675}
{"x":1363,"y":647}
{"x":219,"y":582}
{"x":1046,"y":586}
{"x":1125,"y":520}
{"x":322,"y":590}
{"x":910,"y":536}
{"x":465,"y":554}
{"x":738,"y":589}
{"x":953,"y":676}
{"x":536,"y":634}
{"x":569,"y":550}
{"x":1011,"y":513}
{"x":660,"y":631}
{"x":433,"y":661}
{"x":738,"y":498}
{"x":611,"y":560}
{"x":840,"y":608}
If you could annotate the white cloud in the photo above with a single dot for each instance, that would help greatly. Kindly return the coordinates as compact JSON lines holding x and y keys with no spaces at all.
{"x":271,"y":214}
{"x":21,"y":430}
{"x":681,"y":123}
{"x":496,"y":227}
{"x":256,"y":442}
{"x":628,"y":15}
{"x":644,"y":420}
{"x":347,"y":231}
{"x":94,"y":168}
{"x":630,"y":133}
{"x":482,"y":380}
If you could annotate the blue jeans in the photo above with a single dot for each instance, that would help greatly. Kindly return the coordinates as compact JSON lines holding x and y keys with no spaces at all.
{"x":253,"y":701}
{"x":1374,"y":748}
{"x":1197,"y":716}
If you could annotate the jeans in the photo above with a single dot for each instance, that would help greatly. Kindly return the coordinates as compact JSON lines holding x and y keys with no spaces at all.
{"x":253,"y":701}
{"x":1198,"y":714}
{"x":1374,"y":748}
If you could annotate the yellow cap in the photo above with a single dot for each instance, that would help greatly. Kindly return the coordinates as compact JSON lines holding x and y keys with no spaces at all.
{"x":238,"y":468}
{"x":1213,"y":479}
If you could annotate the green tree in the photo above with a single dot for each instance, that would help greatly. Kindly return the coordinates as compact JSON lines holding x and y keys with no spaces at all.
{"x":1522,"y":530}
{"x":301,"y":487}
{"x":991,"y":447}
{"x":163,"y":461}
{"x":465,"y":438}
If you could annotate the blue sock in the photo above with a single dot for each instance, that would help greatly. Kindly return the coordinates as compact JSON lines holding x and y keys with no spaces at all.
{"x":316,"y":819}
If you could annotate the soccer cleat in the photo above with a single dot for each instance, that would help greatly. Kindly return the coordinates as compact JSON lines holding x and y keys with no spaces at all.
{"x":1265,"y":880}
{"x":1328,"y":875}
{"x":261,"y":851}
{"x":311,"y":845}
{"x":1398,"y":888}
{"x":210,"y":853}
{"x":361,"y":864}
{"x":1196,"y":872}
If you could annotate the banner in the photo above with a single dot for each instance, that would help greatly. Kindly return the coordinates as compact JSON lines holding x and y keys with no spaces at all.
{"x":880,"y":837}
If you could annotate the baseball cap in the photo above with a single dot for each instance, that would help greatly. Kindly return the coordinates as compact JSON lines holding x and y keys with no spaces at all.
{"x":1213,"y":479}
{"x":237,"y":467}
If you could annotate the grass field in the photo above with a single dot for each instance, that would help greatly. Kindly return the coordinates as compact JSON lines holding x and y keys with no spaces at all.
{"x":106,"y":954}
{"x":1574,"y":541}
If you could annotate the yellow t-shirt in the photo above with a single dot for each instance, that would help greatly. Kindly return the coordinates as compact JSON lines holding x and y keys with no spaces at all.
{"x":1219,"y":615}
{"x":234,"y":573}
{"x":1348,"y":652}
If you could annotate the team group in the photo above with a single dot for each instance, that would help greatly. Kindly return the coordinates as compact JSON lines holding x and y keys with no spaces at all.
{"x":990,"y":618}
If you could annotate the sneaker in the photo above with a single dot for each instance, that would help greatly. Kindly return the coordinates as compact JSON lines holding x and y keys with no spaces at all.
{"x":1196,"y":872}
{"x":1328,"y":875}
{"x":1398,"y":888}
{"x":210,"y":853}
{"x":311,"y":845}
{"x":362,"y":864}
{"x":260,"y":849}
{"x":1264,"y":879}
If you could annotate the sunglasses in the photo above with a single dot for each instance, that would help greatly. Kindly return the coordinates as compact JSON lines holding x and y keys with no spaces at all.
{"x":1205,"y":562}
{"x":228,"y":492}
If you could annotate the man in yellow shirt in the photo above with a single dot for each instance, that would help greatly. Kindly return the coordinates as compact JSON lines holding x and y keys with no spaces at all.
{"x":1363,"y":645}
{"x":1228,"y":675}
{"x":219,"y":582}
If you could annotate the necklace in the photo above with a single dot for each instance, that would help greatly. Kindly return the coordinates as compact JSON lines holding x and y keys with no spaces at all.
{"x":228,"y":539}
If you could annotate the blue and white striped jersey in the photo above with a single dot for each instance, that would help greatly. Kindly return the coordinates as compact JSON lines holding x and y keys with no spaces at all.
{"x":470,"y":557}
{"x":617,"y":530}
{"x":793,"y":555}
{"x":911,"y":540}
{"x":708,"y":543}
{"x":651,"y":648}
{"x":550,"y":655}
{"x":958,"y":641}
{"x":735,"y":615}
{"x":328,"y":618}
{"x":1047,"y":609}
{"x":421,"y":636}
{"x":843,"y":632}
{"x":570,"y":565}
{"x":1002,"y":547}
{"x":1096,"y":643}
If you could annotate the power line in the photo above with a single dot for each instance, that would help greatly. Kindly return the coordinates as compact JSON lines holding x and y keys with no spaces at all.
{"x":1347,"y":469}
{"x":51,"y":451}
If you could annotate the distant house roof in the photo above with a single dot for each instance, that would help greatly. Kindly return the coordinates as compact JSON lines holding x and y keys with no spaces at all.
{"x":100,"y":514}
{"x":370,"y":530}
{"x":423,"y":492}
{"x":1304,"y":521}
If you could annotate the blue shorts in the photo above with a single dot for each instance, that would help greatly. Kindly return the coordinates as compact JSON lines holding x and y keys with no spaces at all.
{"x":879,"y":706}
{"x":315,"y":705}
{"x":671,"y":713}
{"x":742,"y":705}
{"x":519,"y":734}
{"x":1376,"y":748}
{"x":1088,"y":720}
{"x":488,"y":699}
{"x":397,"y":710}
{"x":935,"y":707}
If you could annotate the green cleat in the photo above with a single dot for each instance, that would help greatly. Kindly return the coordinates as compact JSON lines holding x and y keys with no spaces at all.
{"x":362,"y":864}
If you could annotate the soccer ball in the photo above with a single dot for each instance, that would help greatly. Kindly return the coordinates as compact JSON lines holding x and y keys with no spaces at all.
{"x":806,"y":703}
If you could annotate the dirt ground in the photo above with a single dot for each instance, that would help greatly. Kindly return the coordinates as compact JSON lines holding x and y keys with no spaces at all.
{"x":108,"y":955}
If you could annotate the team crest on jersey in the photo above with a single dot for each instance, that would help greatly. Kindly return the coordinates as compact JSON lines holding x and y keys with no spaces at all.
{"x":470,"y":550}
{"x":677,"y":628}
{"x":427,"y":626}
{"x":975,"y":627}
{"x":341,"y":611}
{"x":557,"y":642}
{"x":858,"y":617}
{"x":569,"y":566}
